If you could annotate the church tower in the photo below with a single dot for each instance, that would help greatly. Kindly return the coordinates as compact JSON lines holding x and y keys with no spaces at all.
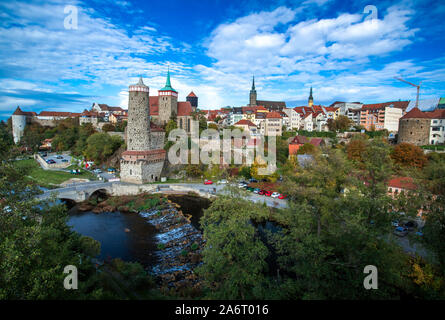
{"x":168,"y":102}
{"x":252,"y":96}
{"x":310,"y":101}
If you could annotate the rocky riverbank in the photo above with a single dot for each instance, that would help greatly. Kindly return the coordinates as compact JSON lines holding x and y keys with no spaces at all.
{"x":179,"y":242}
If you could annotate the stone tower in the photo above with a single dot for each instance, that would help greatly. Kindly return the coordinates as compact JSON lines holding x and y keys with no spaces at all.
{"x":252,"y":95}
{"x":138,"y":117}
{"x":18,"y":124}
{"x":310,"y":101}
{"x":168,"y":102}
{"x":140,"y":163}
{"x":193,"y":99}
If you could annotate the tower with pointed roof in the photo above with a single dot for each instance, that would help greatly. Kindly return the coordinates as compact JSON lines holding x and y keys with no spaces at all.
{"x":193,"y":99}
{"x":140,"y":163}
{"x":310,"y":101}
{"x":168,"y":102}
{"x":18,"y":124}
{"x":252,"y":95}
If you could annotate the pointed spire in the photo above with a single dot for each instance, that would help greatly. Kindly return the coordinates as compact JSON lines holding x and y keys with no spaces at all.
{"x":141,"y":82}
{"x":168,"y":85}
{"x":310,"y":94}
{"x":253,"y":82}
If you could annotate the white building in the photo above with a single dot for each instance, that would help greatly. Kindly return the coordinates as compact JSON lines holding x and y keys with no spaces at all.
{"x":294,"y":118}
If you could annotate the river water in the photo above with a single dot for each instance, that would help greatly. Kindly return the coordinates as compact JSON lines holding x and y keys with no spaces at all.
{"x":130,"y":236}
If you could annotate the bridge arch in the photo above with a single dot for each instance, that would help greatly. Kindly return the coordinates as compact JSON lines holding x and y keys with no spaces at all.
{"x":99,"y":194}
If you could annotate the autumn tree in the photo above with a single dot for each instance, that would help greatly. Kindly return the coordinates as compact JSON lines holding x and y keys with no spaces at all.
{"x":342,"y":123}
{"x":355,"y":149}
{"x":409,"y":155}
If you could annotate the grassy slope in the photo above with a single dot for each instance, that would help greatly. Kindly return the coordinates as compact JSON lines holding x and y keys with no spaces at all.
{"x":49,"y":177}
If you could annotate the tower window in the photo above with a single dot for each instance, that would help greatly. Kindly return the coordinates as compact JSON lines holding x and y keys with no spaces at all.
{"x":131,"y":172}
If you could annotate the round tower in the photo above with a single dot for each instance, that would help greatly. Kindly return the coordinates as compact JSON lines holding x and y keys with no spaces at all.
{"x":138,"y":129}
{"x":18,"y":124}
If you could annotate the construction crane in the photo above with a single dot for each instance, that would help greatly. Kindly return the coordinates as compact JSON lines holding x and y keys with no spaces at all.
{"x":414,"y":85}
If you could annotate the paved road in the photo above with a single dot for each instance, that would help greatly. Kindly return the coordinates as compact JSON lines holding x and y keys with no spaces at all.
{"x":271,"y":202}
{"x":213,"y":189}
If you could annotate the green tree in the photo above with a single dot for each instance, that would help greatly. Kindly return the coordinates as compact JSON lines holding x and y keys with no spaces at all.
{"x":234,"y":258}
{"x":100,"y":146}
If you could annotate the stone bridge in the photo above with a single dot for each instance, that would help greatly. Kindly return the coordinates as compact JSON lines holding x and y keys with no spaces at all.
{"x":83,"y":191}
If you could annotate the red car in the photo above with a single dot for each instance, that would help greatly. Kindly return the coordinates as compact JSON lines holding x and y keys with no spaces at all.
{"x":262,"y":192}
{"x":208,"y":182}
{"x":268,"y":193}
{"x":282,"y":196}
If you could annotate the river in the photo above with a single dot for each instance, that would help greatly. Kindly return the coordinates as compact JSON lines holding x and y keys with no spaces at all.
{"x":130,"y":236}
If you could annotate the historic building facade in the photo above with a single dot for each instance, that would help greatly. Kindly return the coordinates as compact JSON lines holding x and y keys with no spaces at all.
{"x":165,"y":106}
{"x":141,"y":163}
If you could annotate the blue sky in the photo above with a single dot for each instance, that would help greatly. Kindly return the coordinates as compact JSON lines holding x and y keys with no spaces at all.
{"x":213,"y":47}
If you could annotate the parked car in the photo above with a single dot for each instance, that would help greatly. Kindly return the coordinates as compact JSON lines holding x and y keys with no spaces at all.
{"x":208,"y":181}
{"x":64,"y":160}
{"x":401,"y":231}
{"x":97,"y":171}
{"x":111,"y":170}
{"x":242,"y":185}
{"x":59,"y":157}
{"x":75,"y":171}
{"x":223,"y":181}
{"x":275,"y":195}
{"x":267,"y":193}
{"x":282,"y":196}
{"x":411,"y":225}
{"x":256,"y":190}
{"x":250,"y":189}
{"x":262,"y":192}
{"x":252,"y":180}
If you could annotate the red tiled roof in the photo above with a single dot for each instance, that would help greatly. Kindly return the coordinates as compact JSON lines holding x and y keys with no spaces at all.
{"x":58,"y":114}
{"x":143,"y":153}
{"x":415,"y":113}
{"x":402,"y":183}
{"x":299,"y":140}
{"x":245,"y":122}
{"x":191,"y":94}
{"x":273,"y":115}
{"x":154,"y":105}
{"x":436,"y":114}
{"x":184,"y":108}
{"x":19,"y":112}
{"x":316,"y":141}
{"x":397,"y":104}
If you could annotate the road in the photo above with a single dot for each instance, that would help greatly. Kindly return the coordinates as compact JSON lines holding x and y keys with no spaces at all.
{"x":218,"y":188}
{"x":212,"y":189}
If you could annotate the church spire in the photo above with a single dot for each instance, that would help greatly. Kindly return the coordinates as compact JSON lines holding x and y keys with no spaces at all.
{"x":168,"y":85}
{"x":311,"y":99}
{"x":253,"y":83}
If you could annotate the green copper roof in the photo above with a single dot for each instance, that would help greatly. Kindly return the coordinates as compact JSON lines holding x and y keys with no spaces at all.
{"x":168,"y":85}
